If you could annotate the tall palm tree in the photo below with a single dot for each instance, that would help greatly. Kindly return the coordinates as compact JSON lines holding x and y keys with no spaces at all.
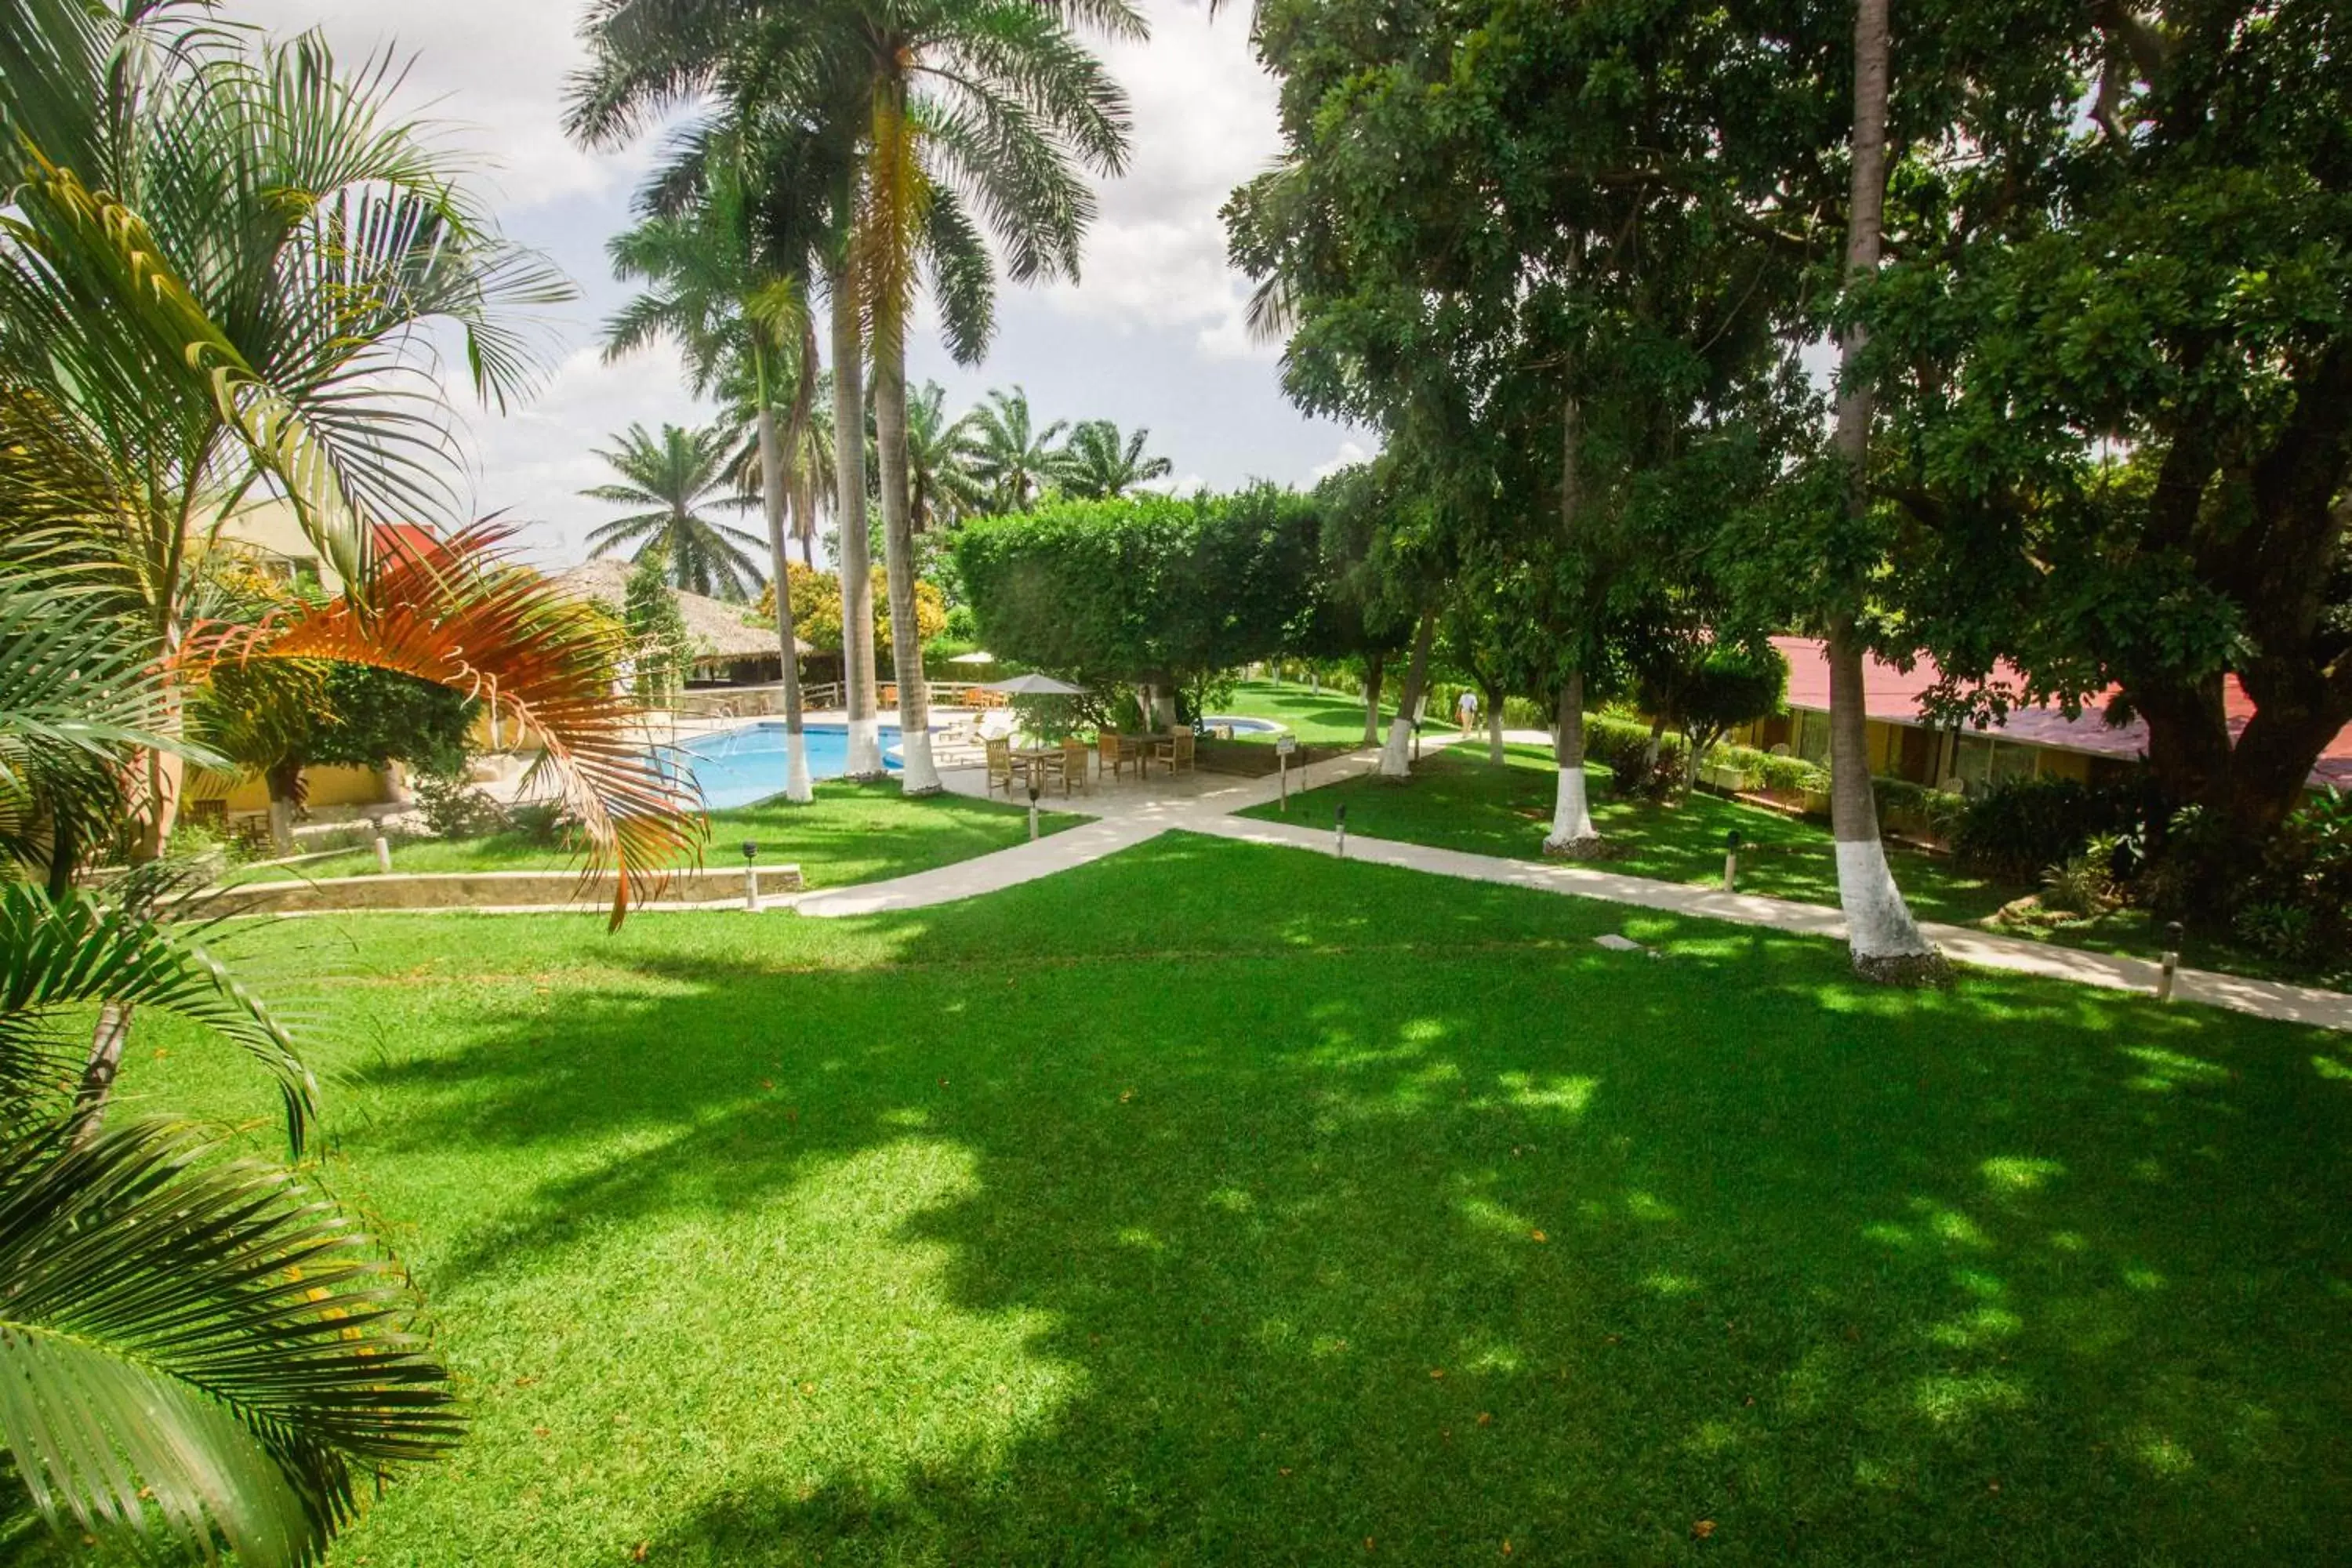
{"x":222,"y":270}
{"x":671,"y":476}
{"x":1094,"y":466}
{"x":939,"y":489}
{"x":936,"y":98}
{"x":1013,"y":461}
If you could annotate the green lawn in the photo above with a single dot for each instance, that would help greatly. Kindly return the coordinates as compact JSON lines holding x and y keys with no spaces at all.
{"x":849,"y":833}
{"x":1329,"y":719}
{"x":1458,"y":800}
{"x":1223,"y":1204}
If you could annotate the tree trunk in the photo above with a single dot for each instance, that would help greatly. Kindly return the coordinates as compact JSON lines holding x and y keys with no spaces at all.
{"x":1396,"y":757}
{"x":864,"y":760}
{"x":1495,"y":726}
{"x":917,"y":775}
{"x":1571,"y":811}
{"x":797,"y":788}
{"x":285,"y":784}
{"x":1375,"y":666}
{"x":1879,"y":932}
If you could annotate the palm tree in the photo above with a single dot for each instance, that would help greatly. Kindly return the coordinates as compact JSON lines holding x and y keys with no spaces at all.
{"x":1094,"y":466}
{"x":671,"y":476}
{"x":933,"y":98}
{"x":222,"y":270}
{"x":939,"y":490}
{"x":201,"y":1347}
{"x":728,"y":285}
{"x":1012,"y":460}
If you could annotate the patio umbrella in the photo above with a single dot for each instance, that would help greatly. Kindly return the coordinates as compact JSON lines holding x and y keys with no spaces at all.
{"x":1035,"y":686}
{"x":979,"y":657}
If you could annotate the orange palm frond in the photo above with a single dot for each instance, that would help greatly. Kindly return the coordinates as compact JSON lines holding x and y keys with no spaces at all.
{"x":465,"y":614}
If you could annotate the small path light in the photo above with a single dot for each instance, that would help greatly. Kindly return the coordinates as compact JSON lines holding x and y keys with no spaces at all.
{"x":383,"y":855}
{"x":1730,"y":860}
{"x":1033,"y":809}
{"x":751,"y":876}
{"x":2173,"y":932}
{"x":1340,"y":830}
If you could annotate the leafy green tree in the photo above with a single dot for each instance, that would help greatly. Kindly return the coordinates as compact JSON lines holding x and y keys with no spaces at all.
{"x":2119,"y":388}
{"x":1151,"y":590}
{"x":1095,"y":466}
{"x":673,"y":476}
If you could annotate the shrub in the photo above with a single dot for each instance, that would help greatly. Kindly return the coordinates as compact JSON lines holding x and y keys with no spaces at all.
{"x":1936,"y":812}
{"x":452,"y":808}
{"x":2016,"y":830}
{"x":2079,"y":886}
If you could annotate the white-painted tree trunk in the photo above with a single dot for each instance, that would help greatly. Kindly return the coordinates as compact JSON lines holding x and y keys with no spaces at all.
{"x":1396,"y":757}
{"x":1495,"y":733}
{"x":773,"y":486}
{"x":1571,"y":809}
{"x":864,"y":750}
{"x":1879,"y":927}
{"x":917,"y":775}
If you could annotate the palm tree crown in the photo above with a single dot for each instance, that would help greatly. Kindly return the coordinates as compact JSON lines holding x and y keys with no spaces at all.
{"x":1011,"y":459}
{"x":940,"y":486}
{"x":1094,"y":466}
{"x":670,"y":476}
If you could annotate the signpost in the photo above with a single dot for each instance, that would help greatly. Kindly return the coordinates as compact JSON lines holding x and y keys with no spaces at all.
{"x":1283,"y":746}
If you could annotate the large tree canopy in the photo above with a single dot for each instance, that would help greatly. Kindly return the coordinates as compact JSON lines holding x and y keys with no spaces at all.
{"x":1149,"y":588}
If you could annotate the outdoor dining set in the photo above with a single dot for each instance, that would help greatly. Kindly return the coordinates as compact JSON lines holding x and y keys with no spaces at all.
{"x":1011,"y":767}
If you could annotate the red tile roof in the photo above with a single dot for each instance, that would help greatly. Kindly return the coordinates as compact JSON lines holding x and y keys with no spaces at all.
{"x":1893,"y":697}
{"x":411,"y":540}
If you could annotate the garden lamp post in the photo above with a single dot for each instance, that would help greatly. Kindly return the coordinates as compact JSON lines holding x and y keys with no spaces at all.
{"x":751,"y":876}
{"x":383,"y":855}
{"x":1340,"y":833}
{"x":1730,"y":860}
{"x":1032,"y":806}
{"x":2173,"y":932}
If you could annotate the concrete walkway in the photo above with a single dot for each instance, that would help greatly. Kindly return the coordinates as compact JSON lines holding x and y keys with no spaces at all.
{"x":1125,"y":820}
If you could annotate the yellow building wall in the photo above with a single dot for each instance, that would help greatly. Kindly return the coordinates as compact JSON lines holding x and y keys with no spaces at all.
{"x":324,"y":785}
{"x":2065,"y":765}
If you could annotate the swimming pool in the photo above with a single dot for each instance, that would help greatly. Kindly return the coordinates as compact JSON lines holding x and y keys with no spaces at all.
{"x":745,"y":766}
{"x":1241,"y":725}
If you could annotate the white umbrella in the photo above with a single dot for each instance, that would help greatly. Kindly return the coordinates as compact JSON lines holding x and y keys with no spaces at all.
{"x":1035,"y":686}
{"x":982,"y":657}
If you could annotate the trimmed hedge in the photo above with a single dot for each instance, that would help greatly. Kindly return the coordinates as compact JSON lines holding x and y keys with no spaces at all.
{"x":2021,"y":829}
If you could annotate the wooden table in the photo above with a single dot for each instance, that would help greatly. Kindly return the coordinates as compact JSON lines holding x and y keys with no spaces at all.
{"x":1032,"y":759}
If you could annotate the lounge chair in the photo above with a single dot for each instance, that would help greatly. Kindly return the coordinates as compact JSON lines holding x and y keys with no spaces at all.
{"x":1000,"y":766}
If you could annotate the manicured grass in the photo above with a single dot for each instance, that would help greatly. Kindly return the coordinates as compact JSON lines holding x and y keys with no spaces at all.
{"x":1223,"y":1204}
{"x":1326,"y":719}
{"x":1459,"y":800}
{"x":849,"y":833}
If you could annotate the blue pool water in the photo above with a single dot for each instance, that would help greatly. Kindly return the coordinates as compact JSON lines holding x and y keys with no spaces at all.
{"x":748,"y":764}
{"x":1241,"y":726}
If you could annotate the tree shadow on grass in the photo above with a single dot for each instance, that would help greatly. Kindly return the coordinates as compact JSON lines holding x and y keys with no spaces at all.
{"x":1375,"y":1216}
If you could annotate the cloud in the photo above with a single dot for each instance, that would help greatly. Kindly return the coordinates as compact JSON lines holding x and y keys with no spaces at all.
{"x":1349,"y":454}
{"x":491,"y":72}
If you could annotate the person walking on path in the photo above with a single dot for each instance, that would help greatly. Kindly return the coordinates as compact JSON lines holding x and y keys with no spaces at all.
{"x":1465,"y":711}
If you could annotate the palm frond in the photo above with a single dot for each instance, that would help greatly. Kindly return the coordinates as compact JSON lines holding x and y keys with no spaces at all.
{"x":66,"y":955}
{"x":199,"y":1348}
{"x":470,"y":617}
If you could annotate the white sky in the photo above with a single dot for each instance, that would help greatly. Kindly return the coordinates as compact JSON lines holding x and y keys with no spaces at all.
{"x":1152,"y":336}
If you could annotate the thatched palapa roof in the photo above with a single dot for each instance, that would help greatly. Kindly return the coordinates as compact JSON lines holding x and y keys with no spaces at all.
{"x":720,"y":631}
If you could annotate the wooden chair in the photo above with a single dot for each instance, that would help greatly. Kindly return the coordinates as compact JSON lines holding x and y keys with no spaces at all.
{"x":1000,"y":766}
{"x":1118,"y":753}
{"x":1072,"y":764}
{"x":1175,"y":750}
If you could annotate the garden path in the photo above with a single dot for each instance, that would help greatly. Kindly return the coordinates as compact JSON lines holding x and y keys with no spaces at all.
{"x":1127,"y":817}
